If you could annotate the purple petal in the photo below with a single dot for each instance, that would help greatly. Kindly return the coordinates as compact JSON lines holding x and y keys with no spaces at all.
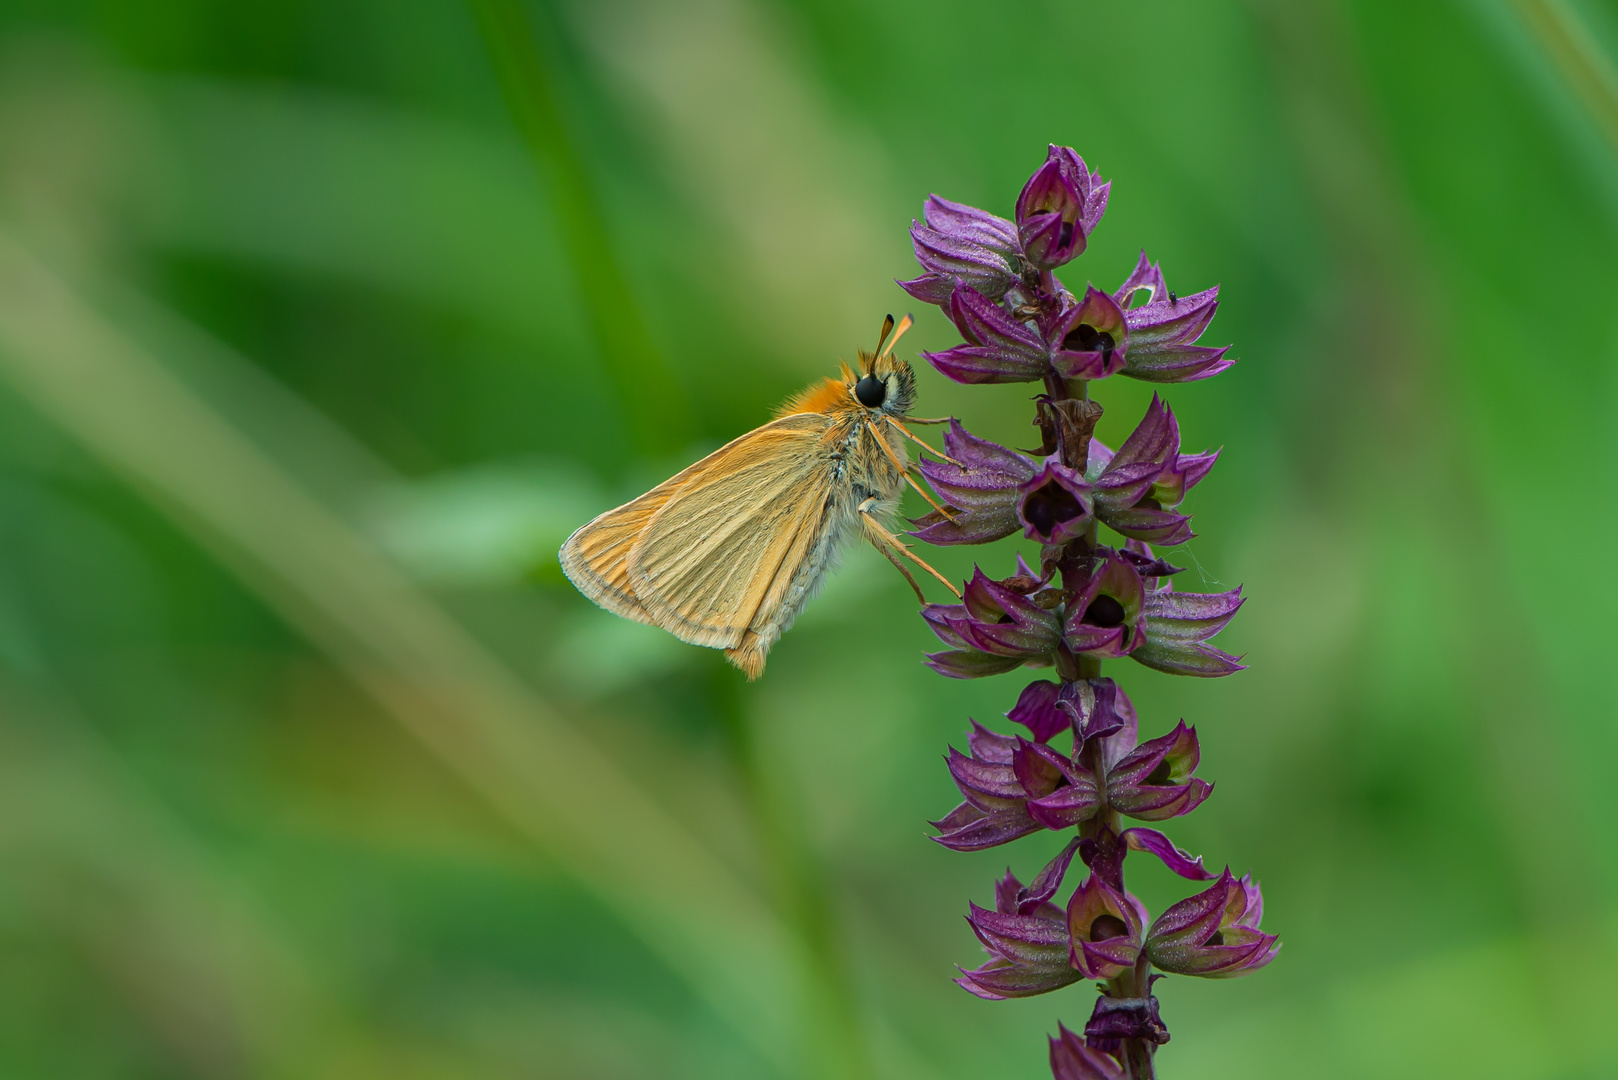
{"x":1118,"y":745}
{"x":1049,"y":880}
{"x":1146,"y":275}
{"x":1193,"y":919}
{"x":1153,"y":526}
{"x":1037,"y":711}
{"x":1176,"y":363}
{"x":1197,"y":659}
{"x":1065,"y":807}
{"x":983,"y":322}
{"x":938,"y":618}
{"x":929,"y":288}
{"x":970,"y":223}
{"x":1091,"y":706}
{"x":997,"y":980}
{"x":988,"y":746}
{"x":1071,"y":1059}
{"x":964,"y":664}
{"x":967,"y":828}
{"x":973,"y":365}
{"x":1152,"y":803}
{"x":967,"y":526}
{"x":980,"y":266}
{"x":989,"y":786}
{"x":1022,"y":939}
{"x":1178,"y":616}
{"x":1179,"y":747}
{"x":1038,"y":768}
{"x":1155,"y":843}
{"x":1172,"y":322}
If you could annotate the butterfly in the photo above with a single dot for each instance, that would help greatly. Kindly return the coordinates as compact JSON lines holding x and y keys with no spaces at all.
{"x":726,"y":553}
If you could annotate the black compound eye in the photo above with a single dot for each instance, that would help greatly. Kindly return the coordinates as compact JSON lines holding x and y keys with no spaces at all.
{"x":871,"y":391}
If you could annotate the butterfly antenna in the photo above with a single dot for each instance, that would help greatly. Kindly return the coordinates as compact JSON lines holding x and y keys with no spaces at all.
{"x":885,"y":344}
{"x":882,"y":338}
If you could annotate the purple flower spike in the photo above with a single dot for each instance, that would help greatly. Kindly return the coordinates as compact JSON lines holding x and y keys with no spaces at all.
{"x":1162,"y":330}
{"x":1178,"y":624}
{"x":1071,"y":1059}
{"x":962,"y":245}
{"x":1086,"y":604}
{"x":1059,"y":206}
{"x":1214,"y":934}
{"x":1105,"y":927}
{"x":982,"y":491}
{"x":1107,"y":617}
{"x":1153,"y":782}
{"x":1090,"y":340}
{"x":1137,"y":488}
{"x":1029,"y":955}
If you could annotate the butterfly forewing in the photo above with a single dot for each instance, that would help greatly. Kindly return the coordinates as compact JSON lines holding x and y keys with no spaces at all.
{"x":722,"y":552}
{"x":713,"y":551}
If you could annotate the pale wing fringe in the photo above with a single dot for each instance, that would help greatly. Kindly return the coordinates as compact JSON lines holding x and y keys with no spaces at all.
{"x":595,"y":557}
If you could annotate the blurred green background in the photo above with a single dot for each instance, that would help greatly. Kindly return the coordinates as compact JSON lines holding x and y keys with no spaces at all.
{"x":322,"y":324}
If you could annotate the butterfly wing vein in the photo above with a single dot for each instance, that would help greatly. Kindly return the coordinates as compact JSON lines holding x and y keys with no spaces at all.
{"x":717,"y":550}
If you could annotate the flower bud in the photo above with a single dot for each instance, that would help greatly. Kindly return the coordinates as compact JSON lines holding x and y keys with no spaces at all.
{"x":1058,"y":207}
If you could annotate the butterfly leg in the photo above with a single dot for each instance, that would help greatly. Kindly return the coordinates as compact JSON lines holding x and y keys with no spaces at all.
{"x":907,"y":433}
{"x":888,"y":544}
{"x":887,"y":553}
{"x":905,"y":472}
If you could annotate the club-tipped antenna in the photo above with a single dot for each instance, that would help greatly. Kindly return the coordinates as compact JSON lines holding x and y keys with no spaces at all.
{"x":882,"y":338}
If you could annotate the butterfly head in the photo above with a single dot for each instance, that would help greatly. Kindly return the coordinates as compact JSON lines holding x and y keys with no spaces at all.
{"x":885,"y":383}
